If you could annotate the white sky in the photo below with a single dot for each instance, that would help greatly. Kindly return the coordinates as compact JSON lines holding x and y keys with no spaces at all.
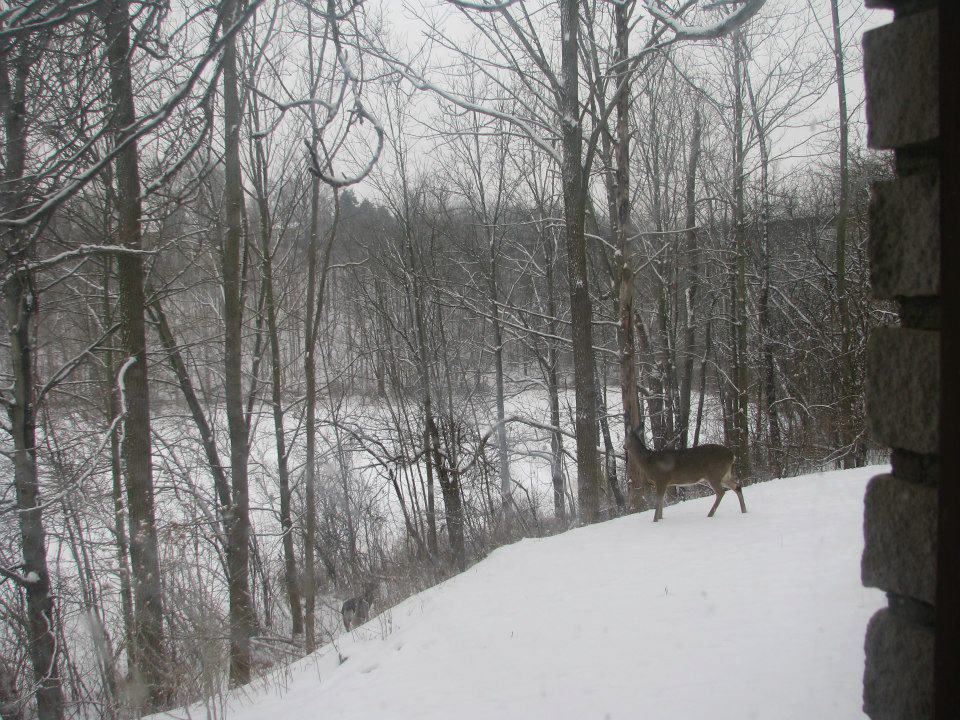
{"x":808,"y":134}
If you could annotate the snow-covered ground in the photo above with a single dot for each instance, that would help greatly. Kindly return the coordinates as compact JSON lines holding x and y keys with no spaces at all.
{"x":738,"y":616}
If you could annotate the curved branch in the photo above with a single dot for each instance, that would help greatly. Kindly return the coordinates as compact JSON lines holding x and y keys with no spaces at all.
{"x":711,"y":31}
{"x":482,"y":6}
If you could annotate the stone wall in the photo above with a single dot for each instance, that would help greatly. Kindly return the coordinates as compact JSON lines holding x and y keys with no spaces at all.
{"x":903,"y":362}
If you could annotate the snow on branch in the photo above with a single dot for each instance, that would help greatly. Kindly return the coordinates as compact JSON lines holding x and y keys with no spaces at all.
{"x":35,"y":16}
{"x":485,"y":438}
{"x":78,"y":253}
{"x":710,"y":31}
{"x":22,"y":580}
{"x":140,"y":127}
{"x":482,"y":6}
{"x":324,"y":170}
{"x":420,"y":82}
{"x":77,"y":482}
{"x":317,"y":168}
{"x":82,"y":251}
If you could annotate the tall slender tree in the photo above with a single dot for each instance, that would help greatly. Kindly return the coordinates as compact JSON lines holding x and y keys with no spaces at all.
{"x":242,"y":621}
{"x":20,"y":305}
{"x":136,"y":445}
{"x":845,"y":421}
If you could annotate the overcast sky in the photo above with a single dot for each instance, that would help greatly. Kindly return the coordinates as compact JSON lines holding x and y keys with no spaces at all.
{"x":808,"y":134}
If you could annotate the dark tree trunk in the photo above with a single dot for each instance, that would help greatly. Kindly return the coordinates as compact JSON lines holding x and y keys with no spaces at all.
{"x":692,"y":265}
{"x":624,"y":279}
{"x":553,"y":389}
{"x":503,"y":466}
{"x":41,"y":618}
{"x":20,"y":307}
{"x":136,"y":446}
{"x":425,"y":390}
{"x":581,"y":311}
{"x":847,"y":433}
{"x":767,"y":406}
{"x":291,"y":577}
{"x":177,"y":363}
{"x":740,"y":396}
{"x":609,"y":453}
{"x":116,"y":470}
{"x":310,"y":426}
{"x":449,"y":481}
{"x":238,"y":541}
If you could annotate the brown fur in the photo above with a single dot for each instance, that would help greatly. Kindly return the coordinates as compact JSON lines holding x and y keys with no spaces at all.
{"x":708,"y":464}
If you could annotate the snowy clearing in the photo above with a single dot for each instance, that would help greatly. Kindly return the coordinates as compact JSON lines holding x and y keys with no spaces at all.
{"x":739,"y":616}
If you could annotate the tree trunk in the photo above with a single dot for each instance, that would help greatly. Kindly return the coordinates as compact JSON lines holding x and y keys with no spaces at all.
{"x":553,"y":389}
{"x":581,"y":311}
{"x":847,"y":435}
{"x":291,"y":578}
{"x":609,"y":453}
{"x":506,"y":484}
{"x":197,"y":412}
{"x":310,"y":427}
{"x":625,"y":284}
{"x":455,"y":515}
{"x":136,"y":445}
{"x":238,"y":545}
{"x":116,"y":471}
{"x":740,"y":399}
{"x":41,"y":618}
{"x":425,"y":390}
{"x":703,"y":383}
{"x":692,"y":265}
{"x":20,"y":306}
{"x":767,"y":407}
{"x":449,"y":481}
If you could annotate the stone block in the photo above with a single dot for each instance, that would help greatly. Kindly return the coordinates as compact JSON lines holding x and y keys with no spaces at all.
{"x":901,"y":7}
{"x":903,"y":388}
{"x":900,"y":538}
{"x":905,"y":237}
{"x":914,"y":467}
{"x":898,"y":674}
{"x":900,"y":71}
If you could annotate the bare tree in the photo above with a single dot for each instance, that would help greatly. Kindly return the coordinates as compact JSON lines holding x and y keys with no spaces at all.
{"x":147,"y":584}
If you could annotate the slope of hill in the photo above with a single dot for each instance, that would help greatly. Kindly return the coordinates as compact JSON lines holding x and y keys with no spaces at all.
{"x":738,"y":616}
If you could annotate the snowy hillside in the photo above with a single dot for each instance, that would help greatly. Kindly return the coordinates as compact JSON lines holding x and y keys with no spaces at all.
{"x":739,"y":616}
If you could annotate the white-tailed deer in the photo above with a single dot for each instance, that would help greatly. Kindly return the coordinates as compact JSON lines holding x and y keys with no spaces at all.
{"x":705,"y":464}
{"x":356,"y":610}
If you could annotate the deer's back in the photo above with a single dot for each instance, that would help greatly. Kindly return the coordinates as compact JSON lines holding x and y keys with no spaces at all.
{"x":689,"y":466}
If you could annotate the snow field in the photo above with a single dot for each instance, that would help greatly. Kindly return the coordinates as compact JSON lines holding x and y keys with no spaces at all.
{"x":738,"y":616}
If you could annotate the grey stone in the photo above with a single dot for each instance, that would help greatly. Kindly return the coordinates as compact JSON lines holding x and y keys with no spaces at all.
{"x":901,"y":7}
{"x":919,"y":313}
{"x":903,"y":388}
{"x":898,"y":675}
{"x":900,"y":538}
{"x":915,"y":467}
{"x":900,"y":71}
{"x":905,"y":236}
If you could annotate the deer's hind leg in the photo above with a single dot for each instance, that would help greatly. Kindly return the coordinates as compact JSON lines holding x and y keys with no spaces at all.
{"x":729,"y":483}
{"x":658,"y":513}
{"x":739,"y":492}
{"x":720,"y":493}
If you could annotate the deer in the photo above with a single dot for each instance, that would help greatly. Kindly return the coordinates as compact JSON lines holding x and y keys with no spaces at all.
{"x":707,"y":464}
{"x":356,"y":610}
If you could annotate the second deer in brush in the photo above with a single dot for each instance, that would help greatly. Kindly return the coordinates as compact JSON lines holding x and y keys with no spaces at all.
{"x":356,"y":610}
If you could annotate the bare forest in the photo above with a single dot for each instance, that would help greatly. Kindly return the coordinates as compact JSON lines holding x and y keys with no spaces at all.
{"x":302,"y":297}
